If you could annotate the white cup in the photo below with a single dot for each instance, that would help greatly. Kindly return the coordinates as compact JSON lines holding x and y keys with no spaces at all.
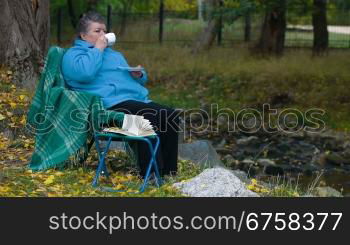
{"x":111,"y":38}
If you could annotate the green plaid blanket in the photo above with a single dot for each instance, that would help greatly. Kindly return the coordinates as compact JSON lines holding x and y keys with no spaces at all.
{"x":63,"y":120}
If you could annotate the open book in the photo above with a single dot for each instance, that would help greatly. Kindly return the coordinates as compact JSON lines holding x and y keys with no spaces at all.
{"x":133,"y":126}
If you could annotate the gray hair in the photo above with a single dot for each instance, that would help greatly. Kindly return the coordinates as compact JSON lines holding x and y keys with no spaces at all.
{"x":86,"y":19}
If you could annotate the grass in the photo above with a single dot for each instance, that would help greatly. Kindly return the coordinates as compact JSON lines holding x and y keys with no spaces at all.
{"x":233,"y":78}
{"x":280,"y":186}
{"x":305,"y":39}
{"x":19,"y":181}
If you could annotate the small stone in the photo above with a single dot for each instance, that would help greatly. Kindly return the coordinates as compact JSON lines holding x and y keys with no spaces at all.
{"x":229,"y":160}
{"x":247,"y":141}
{"x":297,"y":135}
{"x":223,"y":150}
{"x":346,"y":153}
{"x":221,"y":144}
{"x":346,"y":145}
{"x":320,"y":159}
{"x":326,"y":192}
{"x":251,"y":124}
{"x":265,"y":162}
{"x":336,"y":159}
{"x":222,"y":120}
{"x":194,"y":118}
{"x":248,"y":162}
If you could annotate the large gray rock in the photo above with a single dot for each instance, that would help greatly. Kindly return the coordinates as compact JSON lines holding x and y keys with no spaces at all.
{"x":200,"y":152}
{"x":215,"y":182}
{"x":242,"y":176}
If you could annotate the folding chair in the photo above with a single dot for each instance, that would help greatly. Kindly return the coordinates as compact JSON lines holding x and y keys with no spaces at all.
{"x":54,"y":80}
{"x":102,"y":168}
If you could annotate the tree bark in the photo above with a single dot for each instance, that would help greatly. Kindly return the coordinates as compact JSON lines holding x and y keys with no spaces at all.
{"x":319,"y":22}
{"x":247,"y":27}
{"x":273,"y":30}
{"x":127,"y":4}
{"x":92,"y":4}
{"x":72,"y":15}
{"x":25,"y":26}
{"x":200,"y":10}
{"x":207,"y":36}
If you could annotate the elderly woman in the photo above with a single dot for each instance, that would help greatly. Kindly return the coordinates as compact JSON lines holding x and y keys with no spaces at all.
{"x":91,"y":66}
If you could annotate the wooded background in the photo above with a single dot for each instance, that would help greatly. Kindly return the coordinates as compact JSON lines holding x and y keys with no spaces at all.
{"x":26,"y":24}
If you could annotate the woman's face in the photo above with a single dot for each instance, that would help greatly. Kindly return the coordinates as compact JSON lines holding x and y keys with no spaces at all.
{"x":95,"y":30}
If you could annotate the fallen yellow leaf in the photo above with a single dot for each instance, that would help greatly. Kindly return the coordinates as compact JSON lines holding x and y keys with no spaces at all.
{"x":22,"y":158}
{"x":118,"y":187}
{"x":4,"y":189}
{"x":83,"y":181}
{"x":23,"y":120}
{"x":49,"y":180}
{"x":13,"y":105}
{"x":59,"y":173}
{"x":10,"y":157}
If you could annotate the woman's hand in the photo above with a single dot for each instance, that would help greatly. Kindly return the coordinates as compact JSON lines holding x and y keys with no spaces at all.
{"x":137,"y":74}
{"x":101,"y":43}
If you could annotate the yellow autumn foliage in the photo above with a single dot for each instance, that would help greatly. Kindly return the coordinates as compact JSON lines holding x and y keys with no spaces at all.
{"x":49,"y":180}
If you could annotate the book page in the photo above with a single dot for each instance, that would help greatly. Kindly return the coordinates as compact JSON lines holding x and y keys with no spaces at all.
{"x":121,"y":131}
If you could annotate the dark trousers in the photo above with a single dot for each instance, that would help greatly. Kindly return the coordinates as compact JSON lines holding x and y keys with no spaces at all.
{"x":165,"y":122}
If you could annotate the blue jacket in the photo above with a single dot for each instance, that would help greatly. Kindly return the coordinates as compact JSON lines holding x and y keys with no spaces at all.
{"x":86,"y":68}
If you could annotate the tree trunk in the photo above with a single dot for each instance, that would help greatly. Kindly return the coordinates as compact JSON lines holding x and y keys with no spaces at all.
{"x":247,"y":27}
{"x":25,"y":26}
{"x":127,"y":4}
{"x":72,"y":15}
{"x":207,"y":36}
{"x":92,"y":4}
{"x":319,"y":22}
{"x":200,"y":10}
{"x":273,"y":30}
